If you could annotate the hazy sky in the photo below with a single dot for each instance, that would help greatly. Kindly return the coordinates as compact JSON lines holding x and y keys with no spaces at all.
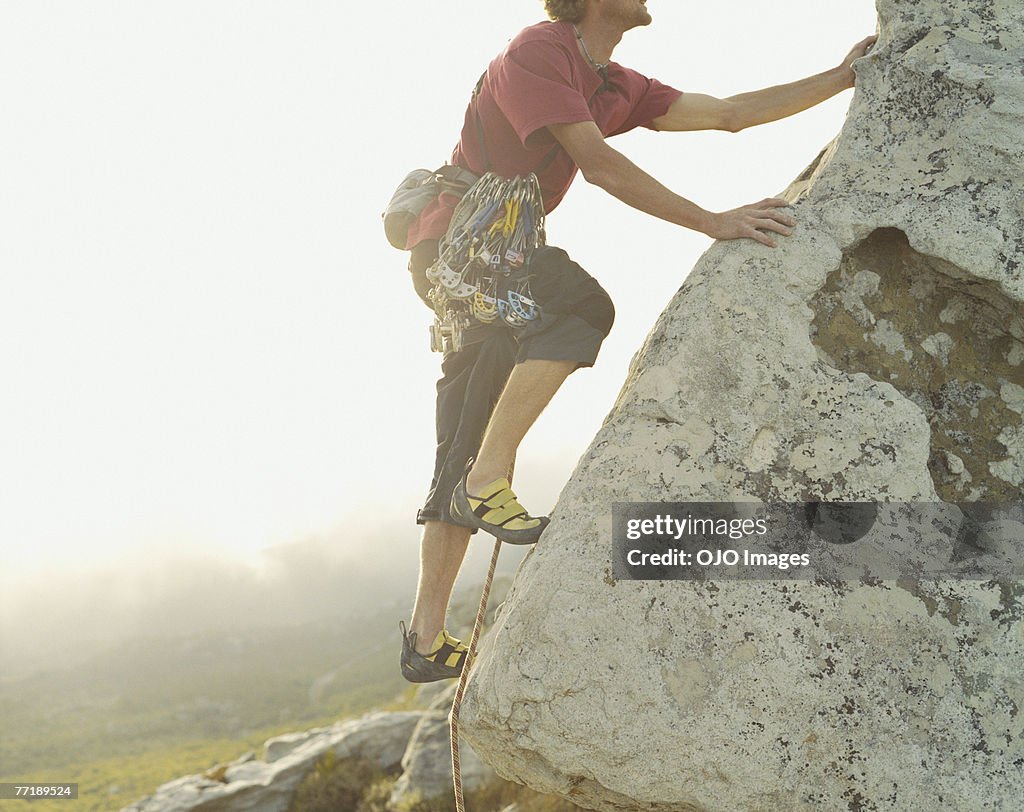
{"x":206,"y":342}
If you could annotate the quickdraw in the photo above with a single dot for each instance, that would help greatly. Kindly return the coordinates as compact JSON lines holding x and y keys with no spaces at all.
{"x":480,"y":274}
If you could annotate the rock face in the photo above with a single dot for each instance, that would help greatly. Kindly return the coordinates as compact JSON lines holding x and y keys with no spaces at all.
{"x":876,"y":354}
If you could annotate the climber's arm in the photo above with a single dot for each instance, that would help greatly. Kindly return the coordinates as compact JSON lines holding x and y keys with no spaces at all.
{"x":620,"y":177}
{"x":694,"y":111}
{"x":616,"y":174}
{"x":698,"y":111}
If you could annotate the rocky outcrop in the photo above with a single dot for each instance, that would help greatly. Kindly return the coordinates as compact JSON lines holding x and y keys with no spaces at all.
{"x":249,"y":784}
{"x":427,"y":765}
{"x":876,"y":354}
{"x":417,"y":742}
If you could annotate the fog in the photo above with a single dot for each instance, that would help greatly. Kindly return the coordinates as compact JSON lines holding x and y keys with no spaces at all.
{"x":359,"y":568}
{"x":192,"y":332}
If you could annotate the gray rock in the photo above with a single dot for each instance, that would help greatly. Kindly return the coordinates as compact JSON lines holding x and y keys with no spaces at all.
{"x":868,"y":357}
{"x":435,"y":695}
{"x":282,"y":745}
{"x":251,"y":785}
{"x":427,"y":764}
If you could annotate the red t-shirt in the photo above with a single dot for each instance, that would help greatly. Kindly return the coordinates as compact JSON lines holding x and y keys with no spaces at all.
{"x":541,"y":78}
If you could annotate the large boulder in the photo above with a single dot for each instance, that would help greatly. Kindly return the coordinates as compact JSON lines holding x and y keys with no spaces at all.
{"x":876,"y":354}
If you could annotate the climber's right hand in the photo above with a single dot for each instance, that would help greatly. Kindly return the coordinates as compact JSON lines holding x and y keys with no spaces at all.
{"x":752,"y":222}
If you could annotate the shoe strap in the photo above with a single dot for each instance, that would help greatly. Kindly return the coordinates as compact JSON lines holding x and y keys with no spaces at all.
{"x":492,"y":490}
{"x":444,"y":638}
{"x":506,"y":513}
{"x":458,"y":644}
{"x":447,"y":648}
{"x":503,"y":500}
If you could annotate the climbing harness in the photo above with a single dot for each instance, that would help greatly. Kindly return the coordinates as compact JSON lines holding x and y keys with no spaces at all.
{"x":481,"y":274}
{"x":464,"y":677}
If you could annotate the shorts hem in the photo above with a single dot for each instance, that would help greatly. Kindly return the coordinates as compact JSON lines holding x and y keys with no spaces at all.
{"x":423,"y":516}
{"x":563,"y":337}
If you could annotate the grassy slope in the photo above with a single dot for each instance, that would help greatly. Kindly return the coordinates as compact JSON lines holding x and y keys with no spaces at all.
{"x":151,"y":711}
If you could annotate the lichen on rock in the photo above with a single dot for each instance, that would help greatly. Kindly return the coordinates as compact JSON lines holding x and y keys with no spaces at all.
{"x":876,"y":354}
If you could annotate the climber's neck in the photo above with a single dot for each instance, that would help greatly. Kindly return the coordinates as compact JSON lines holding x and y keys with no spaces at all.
{"x":603,"y":25}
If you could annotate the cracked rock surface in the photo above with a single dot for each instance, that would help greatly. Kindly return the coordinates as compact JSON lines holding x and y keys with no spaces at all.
{"x":876,"y":354}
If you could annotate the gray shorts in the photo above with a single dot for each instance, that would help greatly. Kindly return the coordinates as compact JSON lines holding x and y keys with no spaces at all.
{"x":576,"y":314}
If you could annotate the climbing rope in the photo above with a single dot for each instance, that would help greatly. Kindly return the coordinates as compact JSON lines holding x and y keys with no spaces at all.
{"x":464,"y":678}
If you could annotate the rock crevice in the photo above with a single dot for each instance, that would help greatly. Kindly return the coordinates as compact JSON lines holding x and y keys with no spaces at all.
{"x":950,"y":343}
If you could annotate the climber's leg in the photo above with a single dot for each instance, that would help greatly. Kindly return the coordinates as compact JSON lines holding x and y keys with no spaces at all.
{"x":575,"y":316}
{"x":530,"y":388}
{"x":471,"y":382}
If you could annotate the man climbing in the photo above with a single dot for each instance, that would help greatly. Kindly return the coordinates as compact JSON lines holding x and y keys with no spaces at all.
{"x":546,"y":105}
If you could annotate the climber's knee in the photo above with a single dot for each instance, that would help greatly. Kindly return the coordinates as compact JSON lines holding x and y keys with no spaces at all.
{"x":576,"y":313}
{"x":597,"y":310}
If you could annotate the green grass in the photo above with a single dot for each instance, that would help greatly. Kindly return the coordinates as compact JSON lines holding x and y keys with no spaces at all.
{"x":151,"y":711}
{"x":110,"y":783}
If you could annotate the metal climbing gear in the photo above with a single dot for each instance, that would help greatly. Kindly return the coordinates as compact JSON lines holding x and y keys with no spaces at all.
{"x":481,"y":273}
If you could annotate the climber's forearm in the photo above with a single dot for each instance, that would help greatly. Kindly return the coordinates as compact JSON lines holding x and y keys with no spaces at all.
{"x":619,"y":176}
{"x":623,"y":179}
{"x":609,"y":169}
{"x":773,"y":103}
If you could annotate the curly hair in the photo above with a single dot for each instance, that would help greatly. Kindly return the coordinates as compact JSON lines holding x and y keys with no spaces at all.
{"x":569,"y":10}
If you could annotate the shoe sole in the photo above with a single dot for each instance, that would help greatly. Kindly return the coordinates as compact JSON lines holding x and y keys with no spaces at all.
{"x":412,"y":675}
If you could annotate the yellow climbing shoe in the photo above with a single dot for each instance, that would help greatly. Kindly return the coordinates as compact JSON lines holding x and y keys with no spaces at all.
{"x":445,"y":661}
{"x":497,"y":511}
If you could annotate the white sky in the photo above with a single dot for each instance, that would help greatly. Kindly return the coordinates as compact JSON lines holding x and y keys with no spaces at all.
{"x":206,"y":342}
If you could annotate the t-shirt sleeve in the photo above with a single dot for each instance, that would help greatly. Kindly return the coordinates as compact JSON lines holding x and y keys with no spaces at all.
{"x":534,"y":86}
{"x":649,"y":98}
